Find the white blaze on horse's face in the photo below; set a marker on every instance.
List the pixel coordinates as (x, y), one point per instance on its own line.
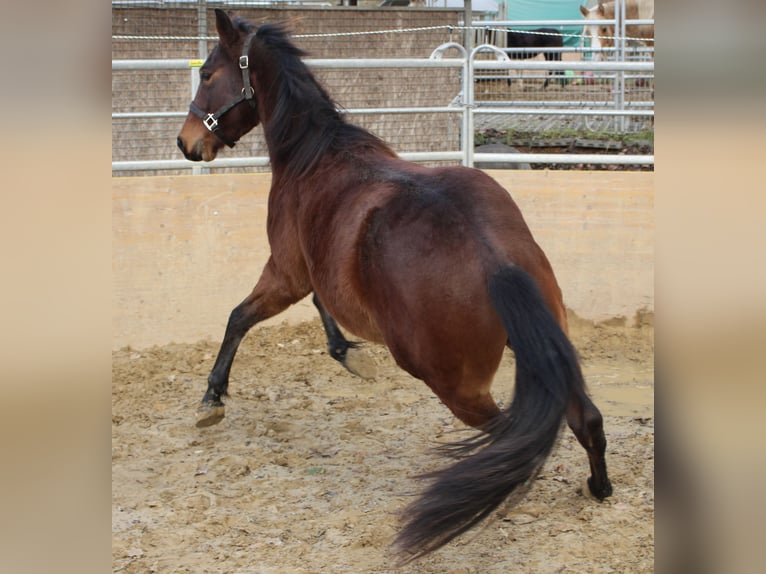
(595, 42)
(600, 36)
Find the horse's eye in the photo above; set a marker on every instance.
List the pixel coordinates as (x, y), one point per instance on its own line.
(204, 75)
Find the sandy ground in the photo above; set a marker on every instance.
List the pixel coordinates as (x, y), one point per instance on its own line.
(311, 467)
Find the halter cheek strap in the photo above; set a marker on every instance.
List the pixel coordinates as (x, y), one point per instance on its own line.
(247, 95)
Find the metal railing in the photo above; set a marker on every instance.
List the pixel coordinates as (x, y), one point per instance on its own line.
(464, 103)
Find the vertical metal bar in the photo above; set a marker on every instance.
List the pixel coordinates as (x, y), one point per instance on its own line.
(471, 98)
(467, 20)
(202, 29)
(194, 83)
(466, 99)
(620, 13)
(194, 78)
(202, 55)
(468, 106)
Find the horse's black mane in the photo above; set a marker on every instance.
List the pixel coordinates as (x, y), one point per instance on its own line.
(305, 122)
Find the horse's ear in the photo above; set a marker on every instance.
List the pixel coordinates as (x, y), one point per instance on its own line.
(584, 10)
(226, 32)
(601, 9)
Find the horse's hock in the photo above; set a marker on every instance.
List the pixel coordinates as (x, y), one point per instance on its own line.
(187, 249)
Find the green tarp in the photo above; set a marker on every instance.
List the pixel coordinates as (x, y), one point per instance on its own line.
(547, 10)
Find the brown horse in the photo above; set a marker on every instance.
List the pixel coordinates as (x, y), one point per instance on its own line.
(436, 263)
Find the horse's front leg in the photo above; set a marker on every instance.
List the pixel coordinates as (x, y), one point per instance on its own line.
(271, 295)
(347, 353)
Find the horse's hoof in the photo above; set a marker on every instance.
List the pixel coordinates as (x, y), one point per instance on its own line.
(358, 363)
(598, 496)
(209, 414)
(586, 491)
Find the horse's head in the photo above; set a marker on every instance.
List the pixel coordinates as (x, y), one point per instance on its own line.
(224, 108)
(600, 35)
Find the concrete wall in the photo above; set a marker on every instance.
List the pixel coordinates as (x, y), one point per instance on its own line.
(186, 250)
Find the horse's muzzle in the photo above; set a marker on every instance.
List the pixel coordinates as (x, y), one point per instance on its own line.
(191, 156)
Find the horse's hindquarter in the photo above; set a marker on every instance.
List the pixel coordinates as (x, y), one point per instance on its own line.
(403, 254)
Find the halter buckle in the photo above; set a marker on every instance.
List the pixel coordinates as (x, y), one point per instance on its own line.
(244, 62)
(211, 122)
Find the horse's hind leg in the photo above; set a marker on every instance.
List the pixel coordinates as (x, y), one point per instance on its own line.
(476, 411)
(587, 424)
(347, 353)
(468, 397)
(270, 296)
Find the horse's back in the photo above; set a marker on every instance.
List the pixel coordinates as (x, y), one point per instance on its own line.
(453, 209)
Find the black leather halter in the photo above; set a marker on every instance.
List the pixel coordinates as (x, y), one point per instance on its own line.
(247, 95)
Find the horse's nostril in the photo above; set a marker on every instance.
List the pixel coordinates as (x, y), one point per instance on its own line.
(180, 143)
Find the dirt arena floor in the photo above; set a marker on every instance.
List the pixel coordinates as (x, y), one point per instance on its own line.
(311, 467)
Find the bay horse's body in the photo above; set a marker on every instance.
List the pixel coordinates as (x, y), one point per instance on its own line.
(538, 38)
(437, 264)
(602, 36)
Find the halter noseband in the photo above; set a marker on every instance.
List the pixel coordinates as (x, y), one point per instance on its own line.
(247, 95)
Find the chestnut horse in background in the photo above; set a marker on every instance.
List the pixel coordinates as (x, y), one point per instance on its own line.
(602, 36)
(435, 263)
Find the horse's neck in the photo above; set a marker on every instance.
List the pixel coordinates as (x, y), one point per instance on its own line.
(268, 103)
(298, 141)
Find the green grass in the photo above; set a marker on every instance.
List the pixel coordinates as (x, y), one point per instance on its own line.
(509, 136)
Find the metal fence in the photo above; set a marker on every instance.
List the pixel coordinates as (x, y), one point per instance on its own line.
(429, 107)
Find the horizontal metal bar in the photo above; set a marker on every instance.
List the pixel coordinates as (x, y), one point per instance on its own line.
(335, 63)
(424, 110)
(172, 64)
(255, 161)
(352, 111)
(355, 63)
(574, 66)
(136, 115)
(614, 159)
(509, 23)
(432, 155)
(163, 164)
(176, 64)
(554, 23)
(561, 112)
(568, 158)
(562, 104)
(432, 110)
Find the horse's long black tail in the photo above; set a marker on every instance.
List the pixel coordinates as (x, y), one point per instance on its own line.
(518, 441)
